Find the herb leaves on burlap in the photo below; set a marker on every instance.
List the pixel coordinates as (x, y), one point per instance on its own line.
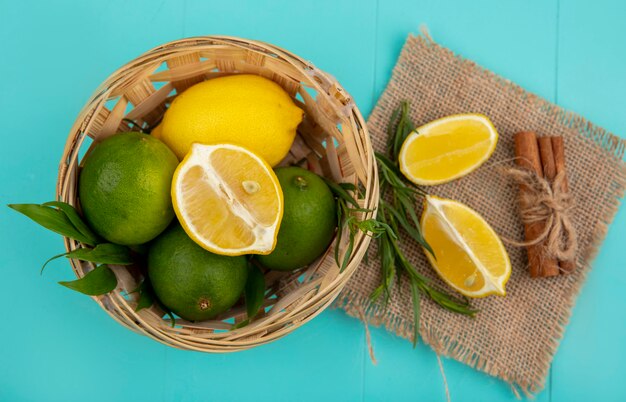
(396, 212)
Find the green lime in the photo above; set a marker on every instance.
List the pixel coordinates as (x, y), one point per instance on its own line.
(309, 220)
(191, 281)
(124, 188)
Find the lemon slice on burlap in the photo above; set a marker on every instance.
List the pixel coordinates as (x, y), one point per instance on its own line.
(469, 255)
(447, 148)
(228, 200)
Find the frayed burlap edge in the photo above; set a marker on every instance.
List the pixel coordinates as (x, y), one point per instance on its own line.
(375, 314)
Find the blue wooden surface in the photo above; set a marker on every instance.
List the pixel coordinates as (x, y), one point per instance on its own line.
(56, 345)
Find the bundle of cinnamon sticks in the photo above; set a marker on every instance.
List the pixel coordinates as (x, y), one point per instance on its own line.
(545, 156)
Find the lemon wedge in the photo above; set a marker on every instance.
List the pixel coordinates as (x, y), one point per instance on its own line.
(469, 255)
(228, 200)
(447, 148)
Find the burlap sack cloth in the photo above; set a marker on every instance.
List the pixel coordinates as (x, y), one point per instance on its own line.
(513, 337)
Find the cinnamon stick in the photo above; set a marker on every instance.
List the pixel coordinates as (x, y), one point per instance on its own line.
(558, 147)
(550, 265)
(527, 153)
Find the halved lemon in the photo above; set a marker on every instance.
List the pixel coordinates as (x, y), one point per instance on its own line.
(469, 255)
(447, 148)
(228, 200)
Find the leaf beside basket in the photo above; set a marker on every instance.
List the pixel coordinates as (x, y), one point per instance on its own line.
(64, 219)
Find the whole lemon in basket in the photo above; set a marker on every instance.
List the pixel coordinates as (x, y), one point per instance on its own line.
(194, 283)
(309, 220)
(245, 110)
(124, 188)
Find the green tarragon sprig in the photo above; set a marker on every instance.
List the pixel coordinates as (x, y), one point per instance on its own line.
(347, 207)
(396, 213)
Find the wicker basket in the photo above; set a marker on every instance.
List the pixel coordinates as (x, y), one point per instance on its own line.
(141, 91)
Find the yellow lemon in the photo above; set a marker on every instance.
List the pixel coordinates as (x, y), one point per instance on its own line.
(228, 200)
(447, 148)
(469, 255)
(246, 110)
(157, 132)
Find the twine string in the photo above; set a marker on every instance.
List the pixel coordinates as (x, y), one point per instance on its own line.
(368, 336)
(547, 202)
(443, 375)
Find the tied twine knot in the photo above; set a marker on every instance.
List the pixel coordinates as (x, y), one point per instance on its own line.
(547, 202)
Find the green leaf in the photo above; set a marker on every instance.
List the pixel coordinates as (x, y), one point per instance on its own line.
(385, 161)
(146, 298)
(75, 218)
(53, 219)
(348, 253)
(413, 231)
(388, 268)
(145, 301)
(341, 193)
(401, 128)
(409, 208)
(341, 225)
(254, 291)
(97, 282)
(167, 312)
(415, 295)
(389, 265)
(105, 253)
(390, 130)
(240, 325)
(372, 227)
(50, 260)
(348, 186)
